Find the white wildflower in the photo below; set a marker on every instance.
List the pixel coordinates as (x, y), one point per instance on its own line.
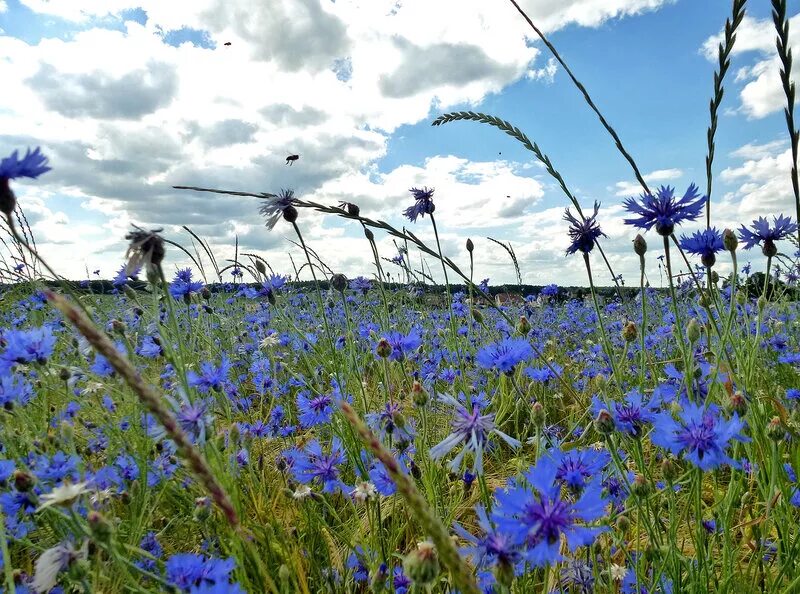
(64, 496)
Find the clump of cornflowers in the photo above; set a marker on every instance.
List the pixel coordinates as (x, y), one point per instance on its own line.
(32, 165)
(701, 433)
(314, 465)
(423, 204)
(278, 205)
(632, 414)
(705, 243)
(761, 233)
(583, 232)
(184, 286)
(534, 514)
(473, 430)
(663, 211)
(505, 355)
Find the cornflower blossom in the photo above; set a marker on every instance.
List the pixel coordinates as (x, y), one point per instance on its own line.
(390, 422)
(663, 210)
(701, 434)
(361, 284)
(423, 204)
(403, 344)
(632, 414)
(313, 464)
(314, 410)
(766, 236)
(35, 345)
(578, 467)
(32, 165)
(194, 418)
(210, 377)
(275, 206)
(583, 232)
(473, 430)
(267, 289)
(183, 287)
(493, 548)
(505, 355)
(705, 243)
(534, 514)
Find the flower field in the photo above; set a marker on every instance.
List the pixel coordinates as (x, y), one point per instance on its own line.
(229, 428)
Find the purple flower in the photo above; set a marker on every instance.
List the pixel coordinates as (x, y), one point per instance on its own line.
(403, 344)
(314, 410)
(705, 243)
(183, 287)
(583, 232)
(423, 204)
(504, 355)
(274, 206)
(578, 467)
(762, 232)
(492, 548)
(473, 430)
(535, 516)
(210, 376)
(631, 415)
(388, 422)
(663, 211)
(28, 346)
(32, 165)
(701, 433)
(313, 464)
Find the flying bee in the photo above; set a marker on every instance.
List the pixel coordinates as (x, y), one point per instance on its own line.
(227, 43)
(291, 159)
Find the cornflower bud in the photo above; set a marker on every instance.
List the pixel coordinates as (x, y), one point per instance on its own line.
(639, 245)
(339, 282)
(470, 245)
(537, 415)
(99, 526)
(604, 422)
(261, 267)
(775, 429)
(523, 326)
(629, 331)
(419, 394)
(693, 331)
(422, 564)
(384, 349)
(729, 240)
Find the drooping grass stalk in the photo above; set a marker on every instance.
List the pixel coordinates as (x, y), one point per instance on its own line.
(781, 21)
(8, 569)
(151, 401)
(515, 132)
(724, 63)
(587, 98)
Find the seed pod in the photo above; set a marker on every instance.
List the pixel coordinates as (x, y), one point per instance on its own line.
(470, 245)
(729, 240)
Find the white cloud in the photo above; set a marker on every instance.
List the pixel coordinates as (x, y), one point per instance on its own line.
(3, 7)
(762, 93)
(124, 116)
(633, 188)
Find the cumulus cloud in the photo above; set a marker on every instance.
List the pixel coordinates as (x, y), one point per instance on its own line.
(762, 93)
(633, 188)
(124, 116)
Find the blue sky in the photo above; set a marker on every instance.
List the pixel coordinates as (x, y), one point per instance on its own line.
(129, 98)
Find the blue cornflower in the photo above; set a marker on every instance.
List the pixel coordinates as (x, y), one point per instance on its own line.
(390, 421)
(183, 287)
(578, 467)
(32, 165)
(403, 344)
(187, 570)
(504, 355)
(358, 561)
(28, 346)
(473, 430)
(701, 434)
(663, 210)
(267, 289)
(210, 376)
(423, 205)
(361, 284)
(705, 243)
(762, 232)
(583, 233)
(150, 544)
(314, 410)
(274, 207)
(631, 415)
(14, 391)
(493, 548)
(194, 418)
(123, 274)
(535, 515)
(400, 581)
(314, 465)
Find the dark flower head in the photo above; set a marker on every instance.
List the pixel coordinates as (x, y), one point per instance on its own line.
(146, 248)
(277, 206)
(423, 205)
(663, 211)
(762, 232)
(352, 209)
(583, 232)
(32, 165)
(705, 243)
